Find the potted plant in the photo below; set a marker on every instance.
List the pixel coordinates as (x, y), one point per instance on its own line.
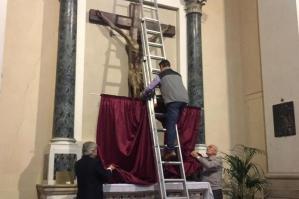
(244, 178)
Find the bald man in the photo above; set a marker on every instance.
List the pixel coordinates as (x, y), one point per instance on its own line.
(212, 169)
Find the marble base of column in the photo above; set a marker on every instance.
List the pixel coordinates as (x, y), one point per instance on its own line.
(60, 139)
(60, 160)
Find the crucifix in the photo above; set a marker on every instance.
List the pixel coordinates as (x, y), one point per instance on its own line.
(119, 23)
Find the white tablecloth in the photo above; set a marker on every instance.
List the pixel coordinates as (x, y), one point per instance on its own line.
(127, 188)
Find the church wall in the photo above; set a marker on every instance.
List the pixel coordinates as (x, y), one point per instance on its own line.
(27, 94)
(106, 62)
(252, 79)
(232, 87)
(279, 49)
(223, 84)
(232, 76)
(215, 76)
(232, 82)
(222, 67)
(279, 38)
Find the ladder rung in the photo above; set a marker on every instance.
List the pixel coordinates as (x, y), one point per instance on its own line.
(171, 162)
(151, 69)
(149, 7)
(152, 31)
(164, 146)
(156, 71)
(160, 114)
(156, 57)
(161, 130)
(155, 44)
(174, 180)
(150, 19)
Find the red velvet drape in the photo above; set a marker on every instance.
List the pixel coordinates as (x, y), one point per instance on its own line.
(124, 139)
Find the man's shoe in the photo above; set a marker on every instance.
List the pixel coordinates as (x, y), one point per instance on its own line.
(169, 155)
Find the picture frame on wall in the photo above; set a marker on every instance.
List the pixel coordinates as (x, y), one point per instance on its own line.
(284, 119)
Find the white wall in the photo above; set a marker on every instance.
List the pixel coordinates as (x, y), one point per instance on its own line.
(3, 7)
(27, 94)
(279, 41)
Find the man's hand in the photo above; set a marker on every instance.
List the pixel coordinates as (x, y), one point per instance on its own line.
(111, 167)
(142, 96)
(195, 154)
(147, 94)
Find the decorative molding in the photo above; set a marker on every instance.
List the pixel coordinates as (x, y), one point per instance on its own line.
(282, 185)
(3, 8)
(194, 6)
(126, 191)
(297, 5)
(59, 139)
(44, 190)
(161, 4)
(284, 175)
(60, 156)
(80, 61)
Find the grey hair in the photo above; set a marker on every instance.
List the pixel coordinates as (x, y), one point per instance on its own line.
(88, 147)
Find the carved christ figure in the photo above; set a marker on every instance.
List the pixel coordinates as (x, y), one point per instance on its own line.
(133, 46)
(134, 51)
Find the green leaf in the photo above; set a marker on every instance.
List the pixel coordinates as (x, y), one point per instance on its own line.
(245, 177)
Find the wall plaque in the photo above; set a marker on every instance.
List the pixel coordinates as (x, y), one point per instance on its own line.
(284, 119)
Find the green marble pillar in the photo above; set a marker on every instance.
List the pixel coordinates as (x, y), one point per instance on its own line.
(194, 55)
(63, 127)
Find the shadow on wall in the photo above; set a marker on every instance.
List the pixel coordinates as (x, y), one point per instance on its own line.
(115, 49)
(105, 66)
(33, 173)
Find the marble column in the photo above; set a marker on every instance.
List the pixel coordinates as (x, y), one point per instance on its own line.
(63, 126)
(63, 150)
(194, 55)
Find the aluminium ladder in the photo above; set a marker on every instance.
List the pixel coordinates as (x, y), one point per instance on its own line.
(154, 52)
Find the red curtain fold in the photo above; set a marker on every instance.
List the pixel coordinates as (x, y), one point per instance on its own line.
(124, 139)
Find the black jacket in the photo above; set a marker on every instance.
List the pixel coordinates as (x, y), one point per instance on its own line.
(90, 177)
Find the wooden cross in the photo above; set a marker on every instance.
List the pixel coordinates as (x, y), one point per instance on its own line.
(132, 22)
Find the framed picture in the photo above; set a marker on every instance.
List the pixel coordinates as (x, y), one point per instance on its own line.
(284, 119)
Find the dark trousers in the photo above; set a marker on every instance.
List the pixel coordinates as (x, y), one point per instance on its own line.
(173, 111)
(218, 194)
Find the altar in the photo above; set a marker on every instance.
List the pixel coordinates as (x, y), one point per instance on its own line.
(197, 190)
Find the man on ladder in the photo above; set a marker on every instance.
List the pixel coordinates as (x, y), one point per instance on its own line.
(174, 95)
(175, 98)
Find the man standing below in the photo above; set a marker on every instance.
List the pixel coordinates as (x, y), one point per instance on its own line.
(212, 169)
(175, 97)
(90, 173)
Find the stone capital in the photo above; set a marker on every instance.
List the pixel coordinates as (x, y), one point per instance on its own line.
(194, 6)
